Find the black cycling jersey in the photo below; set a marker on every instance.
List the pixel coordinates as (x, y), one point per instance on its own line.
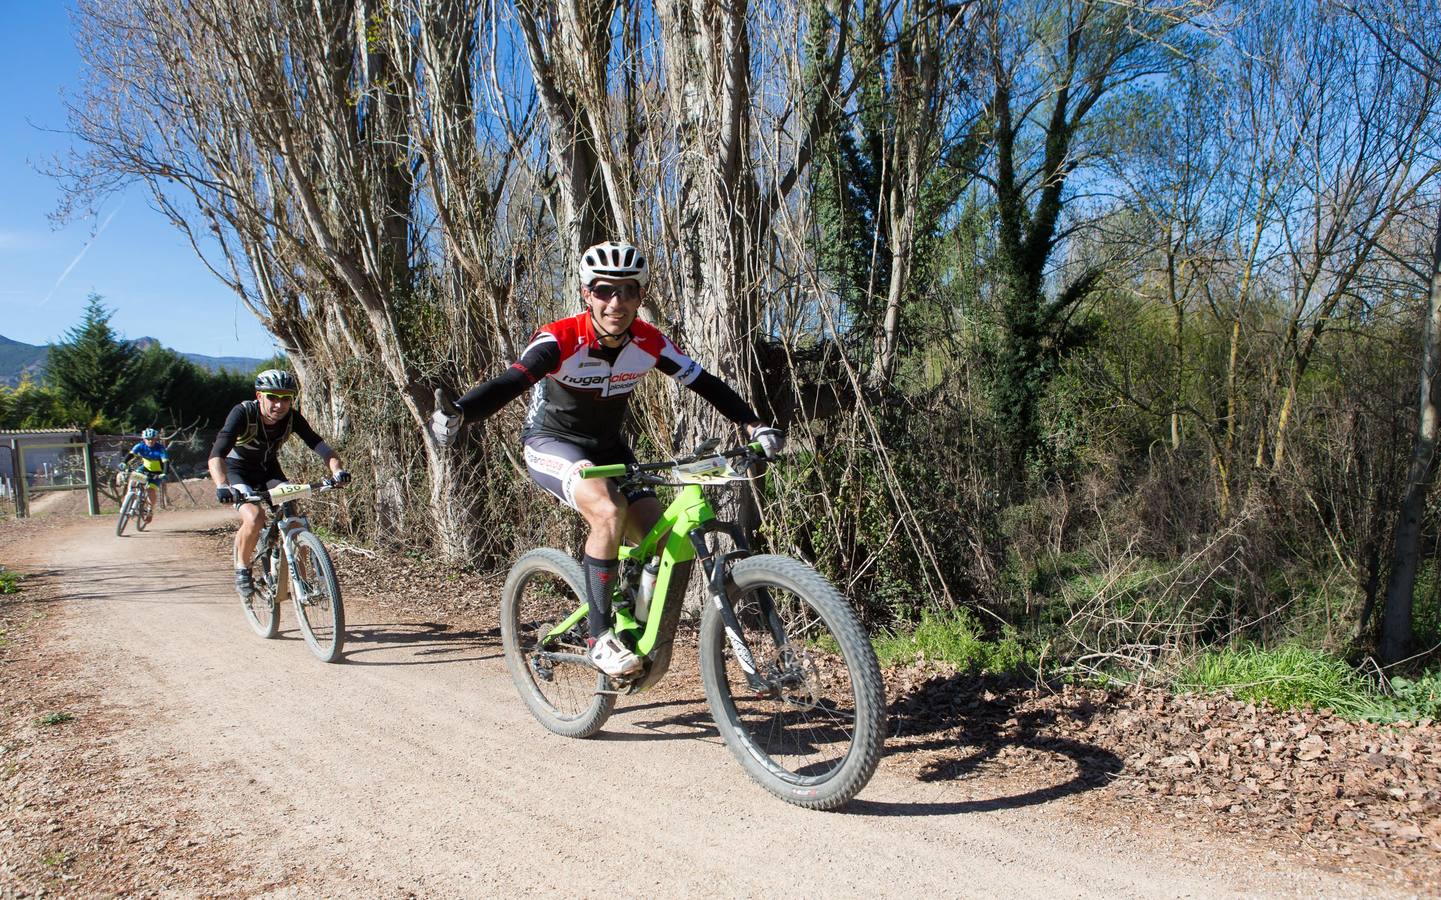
(248, 444)
(580, 389)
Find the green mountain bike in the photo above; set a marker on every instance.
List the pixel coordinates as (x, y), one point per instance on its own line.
(136, 502)
(789, 673)
(290, 559)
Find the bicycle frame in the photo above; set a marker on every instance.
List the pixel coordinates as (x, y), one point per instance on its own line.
(286, 520)
(139, 485)
(679, 537)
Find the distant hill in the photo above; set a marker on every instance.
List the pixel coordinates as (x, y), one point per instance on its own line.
(19, 359)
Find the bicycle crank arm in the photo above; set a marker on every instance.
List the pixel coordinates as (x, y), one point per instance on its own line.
(551, 656)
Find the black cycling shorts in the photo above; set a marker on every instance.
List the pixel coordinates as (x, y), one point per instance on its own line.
(251, 478)
(555, 465)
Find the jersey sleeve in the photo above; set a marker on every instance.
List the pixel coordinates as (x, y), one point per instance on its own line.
(540, 358)
(672, 361)
(225, 438)
(301, 429)
(726, 401)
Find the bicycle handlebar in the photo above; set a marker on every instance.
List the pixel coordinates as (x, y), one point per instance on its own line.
(751, 452)
(293, 491)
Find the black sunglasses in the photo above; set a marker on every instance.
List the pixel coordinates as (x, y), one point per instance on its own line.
(608, 291)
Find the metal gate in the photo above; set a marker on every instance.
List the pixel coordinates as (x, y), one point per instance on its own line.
(48, 460)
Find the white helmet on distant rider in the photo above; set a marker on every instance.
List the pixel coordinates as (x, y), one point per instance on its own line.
(614, 259)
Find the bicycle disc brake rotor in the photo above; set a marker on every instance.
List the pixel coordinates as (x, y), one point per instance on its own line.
(796, 678)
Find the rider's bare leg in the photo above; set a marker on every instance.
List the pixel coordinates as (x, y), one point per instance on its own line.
(251, 519)
(641, 518)
(604, 510)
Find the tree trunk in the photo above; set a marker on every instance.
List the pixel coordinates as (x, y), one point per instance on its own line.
(1396, 634)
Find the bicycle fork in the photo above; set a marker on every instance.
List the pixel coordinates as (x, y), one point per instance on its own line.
(717, 569)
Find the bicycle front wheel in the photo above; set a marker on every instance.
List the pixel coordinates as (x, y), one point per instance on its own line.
(553, 677)
(812, 734)
(127, 508)
(316, 594)
(141, 514)
(262, 608)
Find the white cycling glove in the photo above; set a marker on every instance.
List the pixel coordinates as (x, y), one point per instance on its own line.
(444, 427)
(772, 440)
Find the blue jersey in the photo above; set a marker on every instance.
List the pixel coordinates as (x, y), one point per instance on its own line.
(154, 457)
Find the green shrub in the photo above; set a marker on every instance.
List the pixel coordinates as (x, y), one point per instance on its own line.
(1288, 677)
(957, 639)
(9, 581)
(1292, 676)
(1410, 699)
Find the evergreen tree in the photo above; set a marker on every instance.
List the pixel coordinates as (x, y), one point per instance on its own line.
(93, 370)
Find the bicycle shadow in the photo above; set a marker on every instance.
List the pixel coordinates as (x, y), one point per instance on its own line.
(697, 723)
(976, 719)
(430, 643)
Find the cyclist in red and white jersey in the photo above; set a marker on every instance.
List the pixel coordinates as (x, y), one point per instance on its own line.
(581, 372)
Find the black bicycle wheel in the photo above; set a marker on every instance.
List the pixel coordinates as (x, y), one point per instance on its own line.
(262, 609)
(142, 513)
(126, 510)
(558, 685)
(316, 594)
(812, 736)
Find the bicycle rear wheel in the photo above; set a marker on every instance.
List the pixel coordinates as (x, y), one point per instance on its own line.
(127, 508)
(316, 594)
(557, 684)
(262, 609)
(813, 735)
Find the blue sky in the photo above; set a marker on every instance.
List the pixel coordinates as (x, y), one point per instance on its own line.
(128, 253)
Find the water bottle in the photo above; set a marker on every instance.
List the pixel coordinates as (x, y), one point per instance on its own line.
(647, 589)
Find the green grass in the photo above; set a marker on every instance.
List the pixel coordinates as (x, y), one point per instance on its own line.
(1295, 677)
(9, 581)
(58, 859)
(956, 638)
(54, 718)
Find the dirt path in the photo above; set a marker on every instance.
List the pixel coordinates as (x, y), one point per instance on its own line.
(414, 769)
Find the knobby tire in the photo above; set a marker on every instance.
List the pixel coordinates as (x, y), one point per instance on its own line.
(814, 740)
(543, 588)
(318, 607)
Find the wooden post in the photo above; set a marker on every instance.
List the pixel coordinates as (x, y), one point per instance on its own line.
(90, 486)
(17, 460)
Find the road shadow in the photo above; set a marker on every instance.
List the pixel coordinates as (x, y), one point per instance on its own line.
(430, 643)
(112, 581)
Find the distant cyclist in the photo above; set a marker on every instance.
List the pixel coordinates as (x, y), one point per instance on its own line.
(245, 458)
(150, 450)
(581, 372)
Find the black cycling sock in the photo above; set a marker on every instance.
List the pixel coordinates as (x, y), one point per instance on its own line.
(599, 582)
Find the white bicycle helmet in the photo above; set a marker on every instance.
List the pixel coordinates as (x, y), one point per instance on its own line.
(614, 259)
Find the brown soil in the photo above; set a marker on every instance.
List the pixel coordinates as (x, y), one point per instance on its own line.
(150, 743)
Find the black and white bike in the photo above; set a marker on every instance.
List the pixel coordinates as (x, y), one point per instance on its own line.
(291, 559)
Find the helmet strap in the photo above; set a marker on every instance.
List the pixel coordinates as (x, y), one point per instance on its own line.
(600, 333)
